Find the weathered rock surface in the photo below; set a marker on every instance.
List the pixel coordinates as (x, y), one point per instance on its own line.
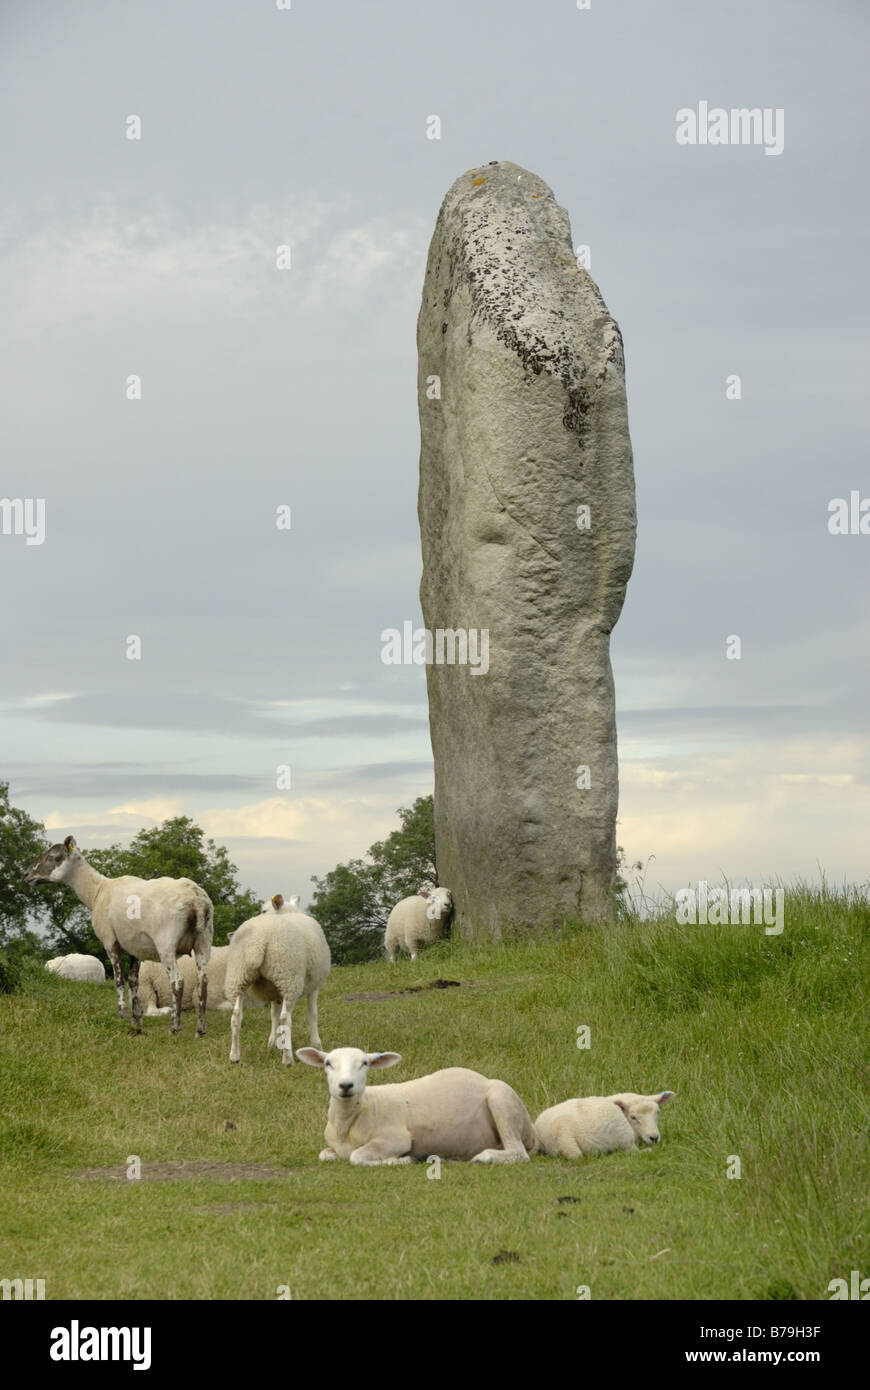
(531, 424)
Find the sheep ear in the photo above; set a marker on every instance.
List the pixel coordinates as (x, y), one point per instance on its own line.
(69, 844)
(277, 900)
(622, 1105)
(384, 1059)
(665, 1095)
(311, 1055)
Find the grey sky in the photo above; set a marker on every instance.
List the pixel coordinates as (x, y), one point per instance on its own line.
(264, 387)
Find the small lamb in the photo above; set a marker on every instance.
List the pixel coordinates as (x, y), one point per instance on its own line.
(83, 969)
(453, 1113)
(417, 921)
(600, 1124)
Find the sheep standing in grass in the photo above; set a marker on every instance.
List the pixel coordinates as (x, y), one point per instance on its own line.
(150, 919)
(417, 921)
(600, 1124)
(155, 989)
(84, 969)
(278, 957)
(453, 1113)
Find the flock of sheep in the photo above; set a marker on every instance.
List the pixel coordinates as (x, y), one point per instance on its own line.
(165, 925)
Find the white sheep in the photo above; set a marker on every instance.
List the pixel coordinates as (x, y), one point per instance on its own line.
(454, 1113)
(150, 919)
(600, 1124)
(155, 990)
(277, 957)
(84, 969)
(417, 921)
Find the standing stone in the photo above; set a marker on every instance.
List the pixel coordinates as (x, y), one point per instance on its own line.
(525, 426)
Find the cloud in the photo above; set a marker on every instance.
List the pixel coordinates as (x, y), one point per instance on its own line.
(215, 714)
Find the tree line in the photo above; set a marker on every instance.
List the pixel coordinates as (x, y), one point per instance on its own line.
(351, 902)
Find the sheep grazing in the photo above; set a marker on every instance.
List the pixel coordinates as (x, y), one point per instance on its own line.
(454, 1113)
(150, 919)
(600, 1124)
(278, 957)
(84, 969)
(417, 921)
(155, 990)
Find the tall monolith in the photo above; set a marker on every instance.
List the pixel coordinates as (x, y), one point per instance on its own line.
(527, 517)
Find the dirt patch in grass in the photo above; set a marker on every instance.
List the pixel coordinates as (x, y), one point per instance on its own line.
(375, 996)
(180, 1170)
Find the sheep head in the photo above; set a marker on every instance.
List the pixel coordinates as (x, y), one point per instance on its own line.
(440, 904)
(347, 1068)
(642, 1113)
(54, 865)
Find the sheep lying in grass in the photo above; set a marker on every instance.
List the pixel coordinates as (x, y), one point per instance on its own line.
(453, 1113)
(417, 921)
(150, 919)
(155, 991)
(278, 957)
(84, 969)
(600, 1124)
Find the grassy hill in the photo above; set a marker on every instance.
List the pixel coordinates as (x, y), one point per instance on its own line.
(763, 1039)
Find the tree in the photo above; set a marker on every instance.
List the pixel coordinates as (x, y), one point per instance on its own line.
(176, 849)
(353, 901)
(22, 840)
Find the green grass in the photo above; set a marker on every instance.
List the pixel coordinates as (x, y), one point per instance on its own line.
(764, 1040)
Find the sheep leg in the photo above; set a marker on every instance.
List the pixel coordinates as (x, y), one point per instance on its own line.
(380, 1153)
(135, 1002)
(508, 1116)
(115, 957)
(274, 1009)
(176, 986)
(235, 1030)
(313, 1034)
(283, 1038)
(201, 953)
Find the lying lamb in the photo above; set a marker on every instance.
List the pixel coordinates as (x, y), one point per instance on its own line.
(84, 969)
(278, 957)
(600, 1124)
(453, 1113)
(417, 921)
(155, 991)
